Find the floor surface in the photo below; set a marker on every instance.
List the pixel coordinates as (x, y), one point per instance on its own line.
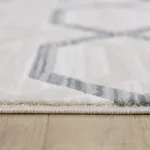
(74, 132)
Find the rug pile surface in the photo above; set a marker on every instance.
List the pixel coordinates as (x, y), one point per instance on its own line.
(75, 56)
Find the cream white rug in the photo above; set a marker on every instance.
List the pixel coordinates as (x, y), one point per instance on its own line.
(75, 56)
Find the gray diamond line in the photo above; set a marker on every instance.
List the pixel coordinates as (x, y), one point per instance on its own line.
(43, 65)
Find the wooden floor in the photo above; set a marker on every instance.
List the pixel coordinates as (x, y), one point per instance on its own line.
(74, 132)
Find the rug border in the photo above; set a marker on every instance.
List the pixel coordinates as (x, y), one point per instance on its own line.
(82, 109)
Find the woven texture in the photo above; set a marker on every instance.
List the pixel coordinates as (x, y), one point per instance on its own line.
(75, 56)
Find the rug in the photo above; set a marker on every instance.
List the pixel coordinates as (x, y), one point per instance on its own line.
(75, 56)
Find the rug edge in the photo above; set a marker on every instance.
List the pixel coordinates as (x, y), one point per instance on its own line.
(82, 109)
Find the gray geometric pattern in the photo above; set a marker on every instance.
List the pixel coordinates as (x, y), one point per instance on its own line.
(46, 55)
(57, 18)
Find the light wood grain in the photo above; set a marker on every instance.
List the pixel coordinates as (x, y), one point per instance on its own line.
(98, 133)
(22, 132)
(62, 132)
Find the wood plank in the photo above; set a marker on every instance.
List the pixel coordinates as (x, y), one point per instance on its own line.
(98, 132)
(22, 132)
